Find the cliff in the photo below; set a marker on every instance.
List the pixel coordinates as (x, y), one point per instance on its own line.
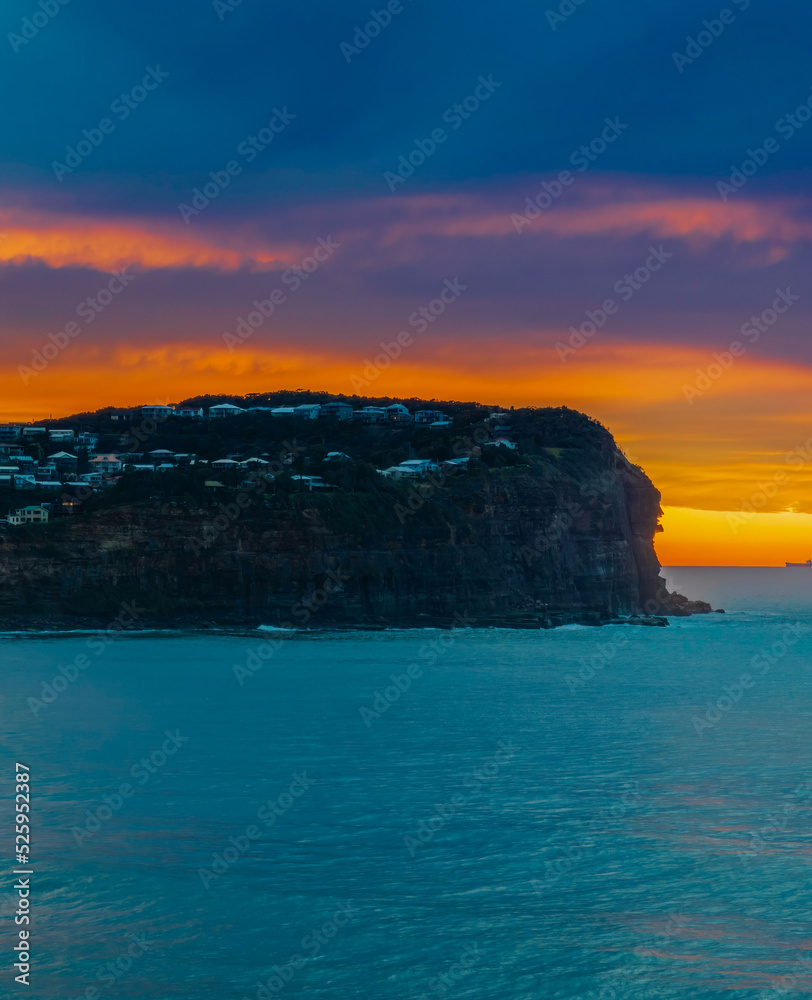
(563, 534)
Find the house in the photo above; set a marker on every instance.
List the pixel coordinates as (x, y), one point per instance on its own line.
(309, 411)
(105, 463)
(282, 411)
(161, 455)
(91, 477)
(69, 505)
(225, 410)
(253, 463)
(157, 412)
(311, 483)
(398, 414)
(61, 434)
(260, 409)
(212, 485)
(421, 465)
(371, 415)
(337, 456)
(335, 411)
(9, 470)
(165, 467)
(441, 423)
(63, 462)
(10, 432)
(27, 482)
(34, 432)
(456, 464)
(224, 465)
(49, 484)
(86, 440)
(429, 416)
(502, 442)
(399, 472)
(190, 412)
(30, 515)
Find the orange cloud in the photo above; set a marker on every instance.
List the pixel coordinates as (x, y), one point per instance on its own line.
(109, 244)
(615, 214)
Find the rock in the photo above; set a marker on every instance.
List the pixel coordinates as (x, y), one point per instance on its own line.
(548, 543)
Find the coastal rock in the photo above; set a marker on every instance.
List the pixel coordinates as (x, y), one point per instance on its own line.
(565, 537)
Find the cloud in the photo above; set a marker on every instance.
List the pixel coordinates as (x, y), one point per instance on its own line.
(71, 240)
(604, 210)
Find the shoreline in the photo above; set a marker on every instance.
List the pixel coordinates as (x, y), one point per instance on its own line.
(80, 627)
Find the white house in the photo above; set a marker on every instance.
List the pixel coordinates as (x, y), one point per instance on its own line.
(61, 434)
(421, 465)
(282, 411)
(397, 413)
(398, 472)
(429, 416)
(193, 412)
(335, 411)
(86, 440)
(30, 515)
(337, 456)
(105, 463)
(91, 477)
(157, 412)
(371, 415)
(502, 442)
(34, 432)
(226, 410)
(309, 411)
(224, 464)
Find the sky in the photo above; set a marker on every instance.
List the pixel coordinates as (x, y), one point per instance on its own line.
(602, 205)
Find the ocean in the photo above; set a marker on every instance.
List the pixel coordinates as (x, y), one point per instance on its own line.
(576, 813)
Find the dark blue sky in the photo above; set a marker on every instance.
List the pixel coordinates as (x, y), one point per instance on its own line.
(353, 120)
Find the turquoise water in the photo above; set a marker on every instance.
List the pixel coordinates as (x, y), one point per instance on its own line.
(574, 813)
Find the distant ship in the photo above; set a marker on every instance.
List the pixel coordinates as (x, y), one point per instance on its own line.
(807, 563)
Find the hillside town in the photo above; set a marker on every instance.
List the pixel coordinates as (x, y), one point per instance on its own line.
(71, 462)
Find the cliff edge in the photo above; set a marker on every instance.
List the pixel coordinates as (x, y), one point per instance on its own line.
(555, 527)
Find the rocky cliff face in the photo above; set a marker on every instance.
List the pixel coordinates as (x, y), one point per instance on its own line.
(534, 545)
